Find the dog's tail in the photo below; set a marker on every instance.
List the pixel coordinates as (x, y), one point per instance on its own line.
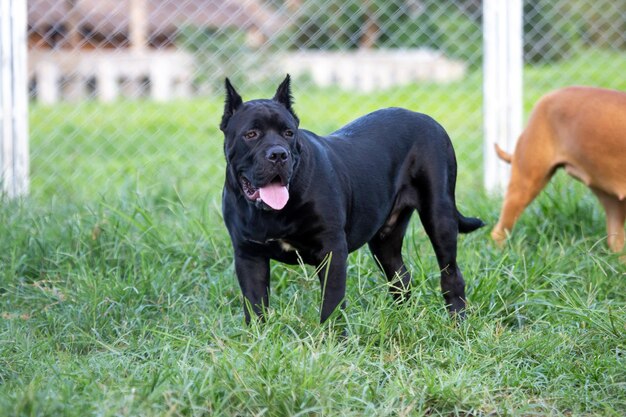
(469, 224)
(502, 154)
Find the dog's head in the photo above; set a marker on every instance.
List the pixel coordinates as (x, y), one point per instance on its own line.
(261, 146)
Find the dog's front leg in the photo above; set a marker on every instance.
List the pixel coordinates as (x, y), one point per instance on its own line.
(253, 274)
(332, 275)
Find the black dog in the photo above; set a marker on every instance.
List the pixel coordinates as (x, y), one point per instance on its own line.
(290, 193)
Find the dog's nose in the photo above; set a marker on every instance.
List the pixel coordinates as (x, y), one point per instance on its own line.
(277, 154)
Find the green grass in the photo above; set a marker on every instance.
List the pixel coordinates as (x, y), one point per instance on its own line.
(118, 297)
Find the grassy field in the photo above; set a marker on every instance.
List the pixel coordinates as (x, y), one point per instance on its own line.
(118, 297)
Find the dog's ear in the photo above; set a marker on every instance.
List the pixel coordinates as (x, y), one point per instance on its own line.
(284, 97)
(233, 102)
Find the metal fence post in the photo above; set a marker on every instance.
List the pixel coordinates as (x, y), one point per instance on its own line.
(13, 99)
(502, 85)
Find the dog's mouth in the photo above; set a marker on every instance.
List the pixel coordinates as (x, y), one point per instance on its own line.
(274, 194)
(248, 189)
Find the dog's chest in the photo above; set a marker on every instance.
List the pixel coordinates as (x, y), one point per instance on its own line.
(282, 244)
(290, 252)
(286, 246)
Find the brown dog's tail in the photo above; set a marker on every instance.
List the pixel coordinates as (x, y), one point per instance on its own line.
(505, 156)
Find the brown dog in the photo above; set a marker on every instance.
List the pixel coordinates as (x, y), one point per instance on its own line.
(582, 129)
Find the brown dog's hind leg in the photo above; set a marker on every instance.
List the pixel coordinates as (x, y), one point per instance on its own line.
(615, 216)
(524, 186)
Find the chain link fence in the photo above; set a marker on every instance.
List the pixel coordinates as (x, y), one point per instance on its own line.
(126, 95)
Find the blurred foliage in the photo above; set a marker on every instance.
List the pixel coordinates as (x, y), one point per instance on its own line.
(602, 22)
(552, 30)
(550, 33)
(213, 50)
(450, 26)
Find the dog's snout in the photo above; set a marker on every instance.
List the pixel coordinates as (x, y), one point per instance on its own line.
(277, 154)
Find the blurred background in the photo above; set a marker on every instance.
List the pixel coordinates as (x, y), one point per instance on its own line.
(126, 95)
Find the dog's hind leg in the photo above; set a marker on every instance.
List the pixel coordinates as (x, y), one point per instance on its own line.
(615, 210)
(387, 250)
(438, 216)
(527, 180)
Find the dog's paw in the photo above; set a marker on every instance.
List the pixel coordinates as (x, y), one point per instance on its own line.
(499, 237)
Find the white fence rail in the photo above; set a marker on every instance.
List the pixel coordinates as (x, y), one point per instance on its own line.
(69, 75)
(371, 70)
(14, 159)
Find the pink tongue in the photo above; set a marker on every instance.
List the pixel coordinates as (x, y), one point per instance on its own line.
(274, 195)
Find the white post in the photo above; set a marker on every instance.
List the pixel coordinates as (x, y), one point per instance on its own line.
(160, 80)
(48, 76)
(502, 85)
(106, 83)
(13, 99)
(138, 25)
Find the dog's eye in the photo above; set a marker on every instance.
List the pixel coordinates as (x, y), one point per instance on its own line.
(288, 133)
(251, 134)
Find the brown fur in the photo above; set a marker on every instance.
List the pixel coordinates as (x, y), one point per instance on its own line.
(582, 129)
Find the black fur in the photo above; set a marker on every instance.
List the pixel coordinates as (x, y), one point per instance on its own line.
(358, 185)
